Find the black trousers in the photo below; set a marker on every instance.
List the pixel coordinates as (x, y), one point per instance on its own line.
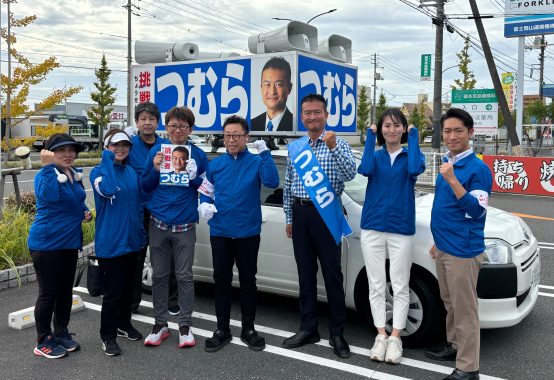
(55, 272)
(225, 253)
(312, 240)
(137, 281)
(118, 289)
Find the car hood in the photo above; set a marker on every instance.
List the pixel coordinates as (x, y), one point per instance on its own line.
(499, 225)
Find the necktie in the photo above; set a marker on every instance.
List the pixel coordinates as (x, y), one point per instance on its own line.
(269, 126)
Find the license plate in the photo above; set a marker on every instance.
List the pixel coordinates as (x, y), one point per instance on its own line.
(536, 273)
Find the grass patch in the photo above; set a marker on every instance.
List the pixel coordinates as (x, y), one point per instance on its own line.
(14, 230)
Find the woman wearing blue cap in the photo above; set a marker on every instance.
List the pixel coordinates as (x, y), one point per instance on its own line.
(54, 240)
(119, 237)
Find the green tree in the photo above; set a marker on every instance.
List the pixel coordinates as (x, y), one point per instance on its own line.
(537, 109)
(468, 79)
(103, 98)
(24, 76)
(417, 118)
(363, 112)
(381, 106)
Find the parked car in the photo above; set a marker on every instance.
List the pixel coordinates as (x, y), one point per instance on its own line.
(428, 139)
(197, 140)
(507, 285)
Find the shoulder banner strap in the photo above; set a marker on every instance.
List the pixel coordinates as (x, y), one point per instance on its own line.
(318, 187)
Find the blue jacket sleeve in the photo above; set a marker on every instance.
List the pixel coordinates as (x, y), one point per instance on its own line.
(201, 167)
(416, 159)
(481, 181)
(268, 171)
(150, 177)
(367, 166)
(106, 187)
(47, 185)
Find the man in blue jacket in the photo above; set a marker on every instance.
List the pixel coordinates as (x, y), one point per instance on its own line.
(230, 200)
(457, 222)
(173, 221)
(147, 116)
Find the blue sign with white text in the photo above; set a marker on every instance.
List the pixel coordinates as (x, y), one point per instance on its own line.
(212, 90)
(529, 25)
(337, 84)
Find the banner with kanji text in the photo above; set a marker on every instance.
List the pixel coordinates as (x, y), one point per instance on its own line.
(522, 175)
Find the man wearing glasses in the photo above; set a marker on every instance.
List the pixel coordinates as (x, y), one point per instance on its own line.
(230, 201)
(311, 238)
(172, 229)
(275, 88)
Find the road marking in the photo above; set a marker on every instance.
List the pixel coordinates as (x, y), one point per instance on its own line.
(546, 287)
(531, 216)
(546, 247)
(312, 359)
(294, 354)
(546, 294)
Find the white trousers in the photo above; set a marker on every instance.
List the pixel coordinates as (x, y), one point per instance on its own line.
(375, 246)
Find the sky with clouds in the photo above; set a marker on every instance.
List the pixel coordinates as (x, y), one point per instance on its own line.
(79, 32)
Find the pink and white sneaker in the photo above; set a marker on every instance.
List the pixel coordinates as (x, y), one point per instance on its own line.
(186, 339)
(157, 336)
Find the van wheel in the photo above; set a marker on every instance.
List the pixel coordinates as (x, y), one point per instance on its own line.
(87, 147)
(425, 311)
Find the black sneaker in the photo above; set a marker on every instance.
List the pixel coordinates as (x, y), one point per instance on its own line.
(130, 333)
(65, 339)
(111, 348)
(174, 310)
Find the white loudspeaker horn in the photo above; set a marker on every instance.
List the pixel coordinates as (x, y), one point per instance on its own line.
(159, 52)
(210, 54)
(295, 36)
(24, 153)
(336, 47)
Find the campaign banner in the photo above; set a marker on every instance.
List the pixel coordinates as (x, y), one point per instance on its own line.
(265, 89)
(337, 83)
(522, 175)
(174, 163)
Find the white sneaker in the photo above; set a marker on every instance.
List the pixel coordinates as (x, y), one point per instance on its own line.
(379, 349)
(394, 350)
(157, 336)
(186, 339)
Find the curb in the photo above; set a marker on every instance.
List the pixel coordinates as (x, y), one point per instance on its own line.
(8, 277)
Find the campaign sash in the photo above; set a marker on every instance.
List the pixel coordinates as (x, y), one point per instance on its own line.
(319, 188)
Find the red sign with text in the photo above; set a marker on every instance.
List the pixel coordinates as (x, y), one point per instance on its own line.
(522, 175)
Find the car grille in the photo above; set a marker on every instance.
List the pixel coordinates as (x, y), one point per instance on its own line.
(525, 265)
(522, 297)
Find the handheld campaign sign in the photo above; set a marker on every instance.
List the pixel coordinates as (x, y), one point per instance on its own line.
(173, 168)
(261, 88)
(319, 188)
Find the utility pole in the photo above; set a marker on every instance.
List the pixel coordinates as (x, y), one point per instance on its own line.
(9, 89)
(373, 110)
(437, 88)
(541, 71)
(510, 126)
(129, 61)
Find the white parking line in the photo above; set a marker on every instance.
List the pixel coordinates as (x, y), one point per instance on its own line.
(297, 355)
(312, 359)
(546, 287)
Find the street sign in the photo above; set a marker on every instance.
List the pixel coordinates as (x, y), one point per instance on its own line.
(482, 105)
(425, 67)
(528, 18)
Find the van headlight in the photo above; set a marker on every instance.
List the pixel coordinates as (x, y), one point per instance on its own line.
(497, 252)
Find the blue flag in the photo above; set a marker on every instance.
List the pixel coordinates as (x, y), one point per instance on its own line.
(317, 185)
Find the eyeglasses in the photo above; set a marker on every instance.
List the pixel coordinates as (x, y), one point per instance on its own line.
(232, 137)
(173, 127)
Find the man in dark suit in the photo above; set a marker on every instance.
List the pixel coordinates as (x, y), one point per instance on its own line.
(275, 88)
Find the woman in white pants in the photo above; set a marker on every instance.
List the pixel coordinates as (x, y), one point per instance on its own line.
(388, 223)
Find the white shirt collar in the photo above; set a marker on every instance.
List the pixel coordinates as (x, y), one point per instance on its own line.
(458, 157)
(275, 121)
